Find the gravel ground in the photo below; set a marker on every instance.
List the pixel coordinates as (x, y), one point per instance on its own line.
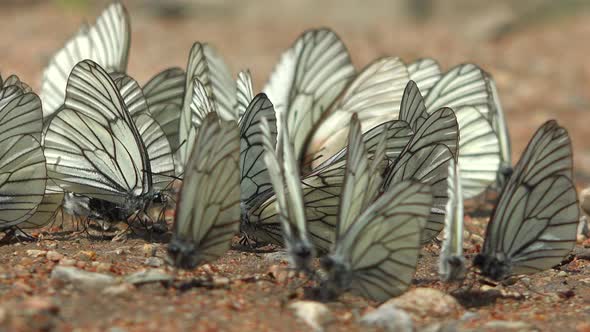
(542, 72)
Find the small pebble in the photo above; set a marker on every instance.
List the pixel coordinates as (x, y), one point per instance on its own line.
(36, 253)
(314, 314)
(54, 256)
(153, 261)
(562, 274)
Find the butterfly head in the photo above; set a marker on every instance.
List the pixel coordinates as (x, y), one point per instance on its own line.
(183, 254)
(337, 279)
(454, 268)
(302, 254)
(492, 267)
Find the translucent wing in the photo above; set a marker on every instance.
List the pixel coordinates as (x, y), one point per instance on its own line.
(375, 95)
(106, 42)
(323, 187)
(534, 224)
(356, 180)
(201, 105)
(14, 80)
(425, 72)
(426, 159)
(479, 151)
(22, 178)
(451, 264)
(208, 210)
(317, 67)
(93, 147)
(463, 85)
(223, 85)
(131, 93)
(382, 247)
(164, 94)
(412, 109)
(20, 114)
(283, 172)
(254, 175)
(154, 139)
(245, 92)
(496, 117)
(158, 150)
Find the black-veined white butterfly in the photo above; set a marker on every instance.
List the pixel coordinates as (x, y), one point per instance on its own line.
(106, 43)
(308, 78)
(427, 155)
(255, 182)
(22, 163)
(534, 224)
(208, 209)
(374, 94)
(93, 147)
(322, 189)
(154, 138)
(164, 94)
(208, 87)
(284, 176)
(451, 263)
(471, 93)
(377, 241)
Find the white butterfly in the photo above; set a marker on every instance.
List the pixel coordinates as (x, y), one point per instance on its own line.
(22, 164)
(106, 43)
(307, 80)
(484, 145)
(451, 264)
(377, 239)
(208, 209)
(534, 223)
(93, 147)
(284, 176)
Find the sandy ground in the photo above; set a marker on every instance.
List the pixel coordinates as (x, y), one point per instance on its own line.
(542, 72)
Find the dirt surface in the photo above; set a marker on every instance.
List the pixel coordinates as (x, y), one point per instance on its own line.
(542, 72)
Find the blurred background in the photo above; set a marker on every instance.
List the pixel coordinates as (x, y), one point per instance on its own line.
(537, 50)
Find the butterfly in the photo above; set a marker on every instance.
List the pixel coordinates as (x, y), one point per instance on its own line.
(94, 148)
(22, 163)
(322, 189)
(534, 224)
(106, 42)
(208, 209)
(153, 137)
(284, 176)
(377, 237)
(308, 78)
(374, 94)
(471, 93)
(208, 87)
(426, 157)
(451, 264)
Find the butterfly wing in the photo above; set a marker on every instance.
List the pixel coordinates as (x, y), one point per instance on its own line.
(106, 42)
(426, 159)
(479, 150)
(382, 247)
(534, 224)
(317, 67)
(254, 178)
(374, 95)
(245, 93)
(412, 109)
(164, 94)
(93, 147)
(208, 210)
(201, 105)
(451, 261)
(425, 72)
(22, 178)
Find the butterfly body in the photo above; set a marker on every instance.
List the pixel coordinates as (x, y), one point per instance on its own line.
(495, 267)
